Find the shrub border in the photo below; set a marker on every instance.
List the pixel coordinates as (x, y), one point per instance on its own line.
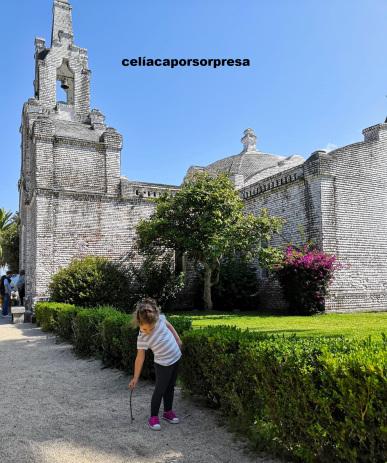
(308, 399)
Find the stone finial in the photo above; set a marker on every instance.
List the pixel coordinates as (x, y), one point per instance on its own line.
(249, 140)
(40, 44)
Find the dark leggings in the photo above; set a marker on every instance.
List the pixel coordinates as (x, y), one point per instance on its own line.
(165, 387)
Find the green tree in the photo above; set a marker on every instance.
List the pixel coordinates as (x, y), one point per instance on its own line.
(5, 219)
(206, 220)
(9, 239)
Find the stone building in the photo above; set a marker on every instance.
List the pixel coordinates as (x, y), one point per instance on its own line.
(336, 198)
(74, 201)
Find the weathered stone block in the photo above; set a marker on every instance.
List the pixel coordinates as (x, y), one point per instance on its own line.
(18, 314)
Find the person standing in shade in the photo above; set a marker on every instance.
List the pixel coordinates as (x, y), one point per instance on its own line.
(7, 294)
(2, 288)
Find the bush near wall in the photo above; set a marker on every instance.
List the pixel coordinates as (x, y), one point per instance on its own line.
(305, 274)
(91, 282)
(155, 277)
(313, 400)
(238, 286)
(237, 289)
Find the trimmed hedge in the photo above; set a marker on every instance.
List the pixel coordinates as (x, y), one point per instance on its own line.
(47, 314)
(314, 400)
(87, 330)
(64, 327)
(102, 332)
(310, 399)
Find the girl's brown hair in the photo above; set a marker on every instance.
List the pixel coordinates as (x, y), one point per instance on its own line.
(146, 311)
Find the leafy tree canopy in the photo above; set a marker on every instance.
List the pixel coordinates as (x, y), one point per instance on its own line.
(206, 220)
(5, 219)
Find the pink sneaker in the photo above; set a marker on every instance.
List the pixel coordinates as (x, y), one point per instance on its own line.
(170, 417)
(154, 423)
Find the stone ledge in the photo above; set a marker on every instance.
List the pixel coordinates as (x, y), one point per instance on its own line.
(18, 310)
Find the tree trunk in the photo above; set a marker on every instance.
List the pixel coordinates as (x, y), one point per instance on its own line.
(207, 287)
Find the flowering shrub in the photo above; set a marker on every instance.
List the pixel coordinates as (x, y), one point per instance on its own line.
(304, 274)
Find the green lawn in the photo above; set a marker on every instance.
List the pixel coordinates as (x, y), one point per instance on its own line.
(357, 325)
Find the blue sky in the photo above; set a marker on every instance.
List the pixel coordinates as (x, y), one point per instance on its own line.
(318, 76)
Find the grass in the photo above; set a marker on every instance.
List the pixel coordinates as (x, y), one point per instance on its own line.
(355, 325)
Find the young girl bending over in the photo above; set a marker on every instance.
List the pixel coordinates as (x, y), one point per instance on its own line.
(157, 334)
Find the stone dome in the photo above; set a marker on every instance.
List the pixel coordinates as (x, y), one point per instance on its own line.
(251, 165)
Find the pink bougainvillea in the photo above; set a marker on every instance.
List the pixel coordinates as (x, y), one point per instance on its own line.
(304, 274)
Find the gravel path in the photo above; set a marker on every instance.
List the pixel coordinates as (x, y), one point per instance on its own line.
(56, 408)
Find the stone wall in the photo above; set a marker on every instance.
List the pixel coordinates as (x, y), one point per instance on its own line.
(76, 225)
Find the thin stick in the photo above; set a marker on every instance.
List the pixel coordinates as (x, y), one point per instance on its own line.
(130, 402)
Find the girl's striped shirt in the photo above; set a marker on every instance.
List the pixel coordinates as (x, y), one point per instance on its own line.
(161, 341)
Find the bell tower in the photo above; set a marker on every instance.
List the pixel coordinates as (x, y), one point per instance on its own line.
(64, 66)
(70, 163)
